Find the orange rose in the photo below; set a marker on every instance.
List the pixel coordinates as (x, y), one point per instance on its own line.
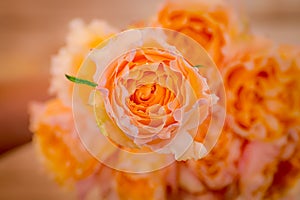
(80, 40)
(260, 100)
(52, 123)
(147, 186)
(264, 109)
(211, 23)
(59, 145)
(155, 98)
(219, 169)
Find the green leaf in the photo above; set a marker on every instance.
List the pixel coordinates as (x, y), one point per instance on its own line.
(199, 66)
(80, 81)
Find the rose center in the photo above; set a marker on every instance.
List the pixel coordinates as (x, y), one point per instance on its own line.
(145, 92)
(151, 94)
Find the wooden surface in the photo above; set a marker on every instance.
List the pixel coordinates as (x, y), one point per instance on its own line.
(22, 177)
(31, 31)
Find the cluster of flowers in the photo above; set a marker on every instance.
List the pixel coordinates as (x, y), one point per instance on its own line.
(258, 153)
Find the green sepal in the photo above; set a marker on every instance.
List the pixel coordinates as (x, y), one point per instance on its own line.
(199, 66)
(81, 81)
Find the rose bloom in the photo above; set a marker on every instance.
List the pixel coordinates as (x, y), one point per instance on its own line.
(259, 163)
(262, 87)
(213, 176)
(58, 144)
(219, 168)
(157, 100)
(211, 23)
(80, 40)
(52, 122)
(110, 184)
(146, 186)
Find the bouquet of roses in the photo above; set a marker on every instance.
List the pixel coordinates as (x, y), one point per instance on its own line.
(151, 115)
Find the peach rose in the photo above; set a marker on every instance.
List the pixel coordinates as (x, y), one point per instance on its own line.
(147, 186)
(260, 100)
(52, 122)
(264, 110)
(58, 143)
(155, 99)
(211, 23)
(80, 40)
(218, 169)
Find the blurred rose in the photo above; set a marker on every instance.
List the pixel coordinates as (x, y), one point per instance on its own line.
(147, 186)
(58, 143)
(219, 168)
(262, 87)
(52, 122)
(80, 40)
(211, 23)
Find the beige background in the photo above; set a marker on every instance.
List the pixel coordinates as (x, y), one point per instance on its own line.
(33, 30)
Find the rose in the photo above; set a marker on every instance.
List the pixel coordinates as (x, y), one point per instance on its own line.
(149, 98)
(52, 122)
(153, 97)
(218, 169)
(262, 109)
(267, 166)
(146, 186)
(80, 40)
(58, 143)
(211, 23)
(258, 98)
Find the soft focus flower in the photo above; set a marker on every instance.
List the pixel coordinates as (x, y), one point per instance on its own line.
(211, 23)
(262, 87)
(219, 168)
(263, 107)
(52, 122)
(80, 40)
(246, 164)
(58, 142)
(148, 186)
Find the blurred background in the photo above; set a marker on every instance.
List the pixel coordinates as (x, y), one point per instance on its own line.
(31, 31)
